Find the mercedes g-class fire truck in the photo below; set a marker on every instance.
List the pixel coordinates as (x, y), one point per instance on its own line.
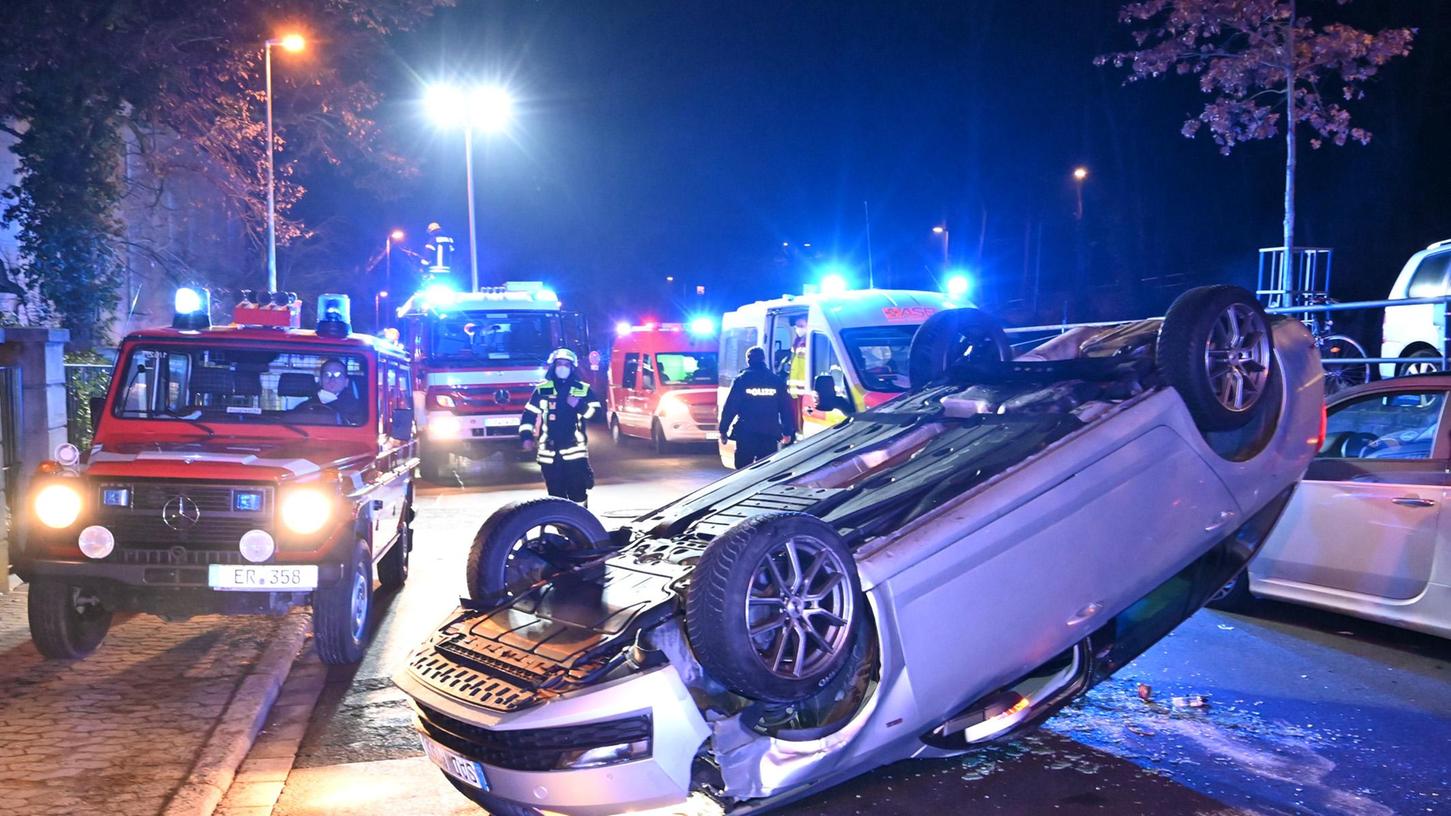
(476, 359)
(245, 468)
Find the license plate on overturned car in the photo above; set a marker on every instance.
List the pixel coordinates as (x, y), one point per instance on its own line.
(262, 577)
(455, 764)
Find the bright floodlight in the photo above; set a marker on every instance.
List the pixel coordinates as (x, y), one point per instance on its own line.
(702, 326)
(833, 283)
(293, 42)
(439, 293)
(396, 235)
(958, 285)
(1080, 173)
(622, 328)
(445, 104)
(938, 230)
(491, 109)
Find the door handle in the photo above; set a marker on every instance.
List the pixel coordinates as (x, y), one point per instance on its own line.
(1413, 501)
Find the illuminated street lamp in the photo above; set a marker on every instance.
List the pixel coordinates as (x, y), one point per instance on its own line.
(293, 43)
(395, 235)
(941, 229)
(488, 108)
(1079, 174)
(377, 309)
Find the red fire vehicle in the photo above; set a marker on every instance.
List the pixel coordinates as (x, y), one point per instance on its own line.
(476, 359)
(244, 468)
(663, 383)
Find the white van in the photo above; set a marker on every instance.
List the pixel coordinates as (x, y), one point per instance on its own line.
(1418, 331)
(860, 338)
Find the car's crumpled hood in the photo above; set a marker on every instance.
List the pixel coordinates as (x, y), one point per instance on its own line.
(251, 460)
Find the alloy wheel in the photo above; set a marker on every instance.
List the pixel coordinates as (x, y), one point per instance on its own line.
(1237, 357)
(799, 607)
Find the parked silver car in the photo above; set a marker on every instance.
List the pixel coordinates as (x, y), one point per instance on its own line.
(1366, 533)
(939, 572)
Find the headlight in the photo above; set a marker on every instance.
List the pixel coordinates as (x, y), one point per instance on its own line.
(444, 401)
(444, 426)
(672, 404)
(58, 505)
(306, 510)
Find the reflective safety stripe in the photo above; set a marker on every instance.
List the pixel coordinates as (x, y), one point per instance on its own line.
(534, 408)
(529, 429)
(570, 457)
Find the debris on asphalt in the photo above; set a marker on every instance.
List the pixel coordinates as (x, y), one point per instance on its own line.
(1146, 692)
(1190, 701)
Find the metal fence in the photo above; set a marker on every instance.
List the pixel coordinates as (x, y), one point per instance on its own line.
(10, 464)
(82, 382)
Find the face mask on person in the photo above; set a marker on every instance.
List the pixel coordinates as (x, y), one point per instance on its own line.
(325, 396)
(562, 372)
(800, 331)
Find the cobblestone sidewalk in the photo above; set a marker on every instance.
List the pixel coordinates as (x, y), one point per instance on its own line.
(119, 732)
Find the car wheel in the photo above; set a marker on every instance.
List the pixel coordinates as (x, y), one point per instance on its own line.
(393, 569)
(1234, 596)
(1422, 361)
(1339, 376)
(952, 335)
(772, 607)
(616, 435)
(340, 613)
(66, 623)
(523, 543)
(661, 445)
(1215, 349)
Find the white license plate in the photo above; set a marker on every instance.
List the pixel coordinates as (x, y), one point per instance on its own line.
(456, 765)
(712, 435)
(499, 422)
(262, 577)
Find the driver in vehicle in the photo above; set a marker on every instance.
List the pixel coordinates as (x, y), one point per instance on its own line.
(336, 393)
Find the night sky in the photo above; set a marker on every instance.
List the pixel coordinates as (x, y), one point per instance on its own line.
(694, 138)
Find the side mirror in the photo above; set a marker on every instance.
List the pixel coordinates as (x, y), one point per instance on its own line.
(97, 406)
(826, 397)
(400, 424)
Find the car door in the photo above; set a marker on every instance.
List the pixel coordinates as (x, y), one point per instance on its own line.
(1366, 517)
(823, 361)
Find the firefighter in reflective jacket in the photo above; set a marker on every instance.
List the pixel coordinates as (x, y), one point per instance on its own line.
(758, 414)
(553, 426)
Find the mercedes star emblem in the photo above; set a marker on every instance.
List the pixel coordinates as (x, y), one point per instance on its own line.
(180, 513)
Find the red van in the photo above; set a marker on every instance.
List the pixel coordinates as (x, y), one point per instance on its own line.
(662, 383)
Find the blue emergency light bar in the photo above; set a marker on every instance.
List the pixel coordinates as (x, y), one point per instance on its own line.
(334, 315)
(192, 309)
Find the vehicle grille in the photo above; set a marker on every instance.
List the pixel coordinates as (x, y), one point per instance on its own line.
(534, 749)
(179, 557)
(141, 528)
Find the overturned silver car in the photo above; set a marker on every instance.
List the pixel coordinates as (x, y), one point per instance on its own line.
(940, 572)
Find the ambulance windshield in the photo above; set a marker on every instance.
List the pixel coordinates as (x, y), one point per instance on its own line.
(517, 338)
(245, 385)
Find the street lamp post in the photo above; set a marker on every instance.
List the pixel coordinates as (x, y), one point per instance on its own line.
(294, 43)
(941, 229)
(490, 109)
(1079, 174)
(395, 235)
(378, 311)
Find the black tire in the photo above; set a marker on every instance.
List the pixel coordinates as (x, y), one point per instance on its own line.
(661, 445)
(64, 624)
(1429, 355)
(525, 542)
(393, 569)
(739, 565)
(434, 464)
(1229, 322)
(341, 613)
(1234, 596)
(616, 435)
(952, 335)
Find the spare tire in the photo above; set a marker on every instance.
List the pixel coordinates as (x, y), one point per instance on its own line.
(952, 335)
(772, 607)
(525, 542)
(1216, 349)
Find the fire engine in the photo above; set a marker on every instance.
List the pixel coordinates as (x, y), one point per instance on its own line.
(663, 382)
(244, 468)
(476, 359)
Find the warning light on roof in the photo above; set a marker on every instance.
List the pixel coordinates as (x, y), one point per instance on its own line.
(334, 315)
(702, 326)
(958, 285)
(833, 283)
(439, 294)
(622, 328)
(192, 309)
(545, 294)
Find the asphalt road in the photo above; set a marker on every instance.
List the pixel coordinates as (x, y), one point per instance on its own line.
(1307, 713)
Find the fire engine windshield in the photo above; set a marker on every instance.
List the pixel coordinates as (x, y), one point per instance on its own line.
(244, 385)
(522, 338)
(686, 367)
(879, 354)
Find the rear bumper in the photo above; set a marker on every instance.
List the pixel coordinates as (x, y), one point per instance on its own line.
(659, 780)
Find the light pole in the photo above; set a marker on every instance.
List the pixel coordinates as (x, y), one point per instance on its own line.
(1079, 174)
(293, 43)
(941, 229)
(395, 235)
(378, 311)
(488, 108)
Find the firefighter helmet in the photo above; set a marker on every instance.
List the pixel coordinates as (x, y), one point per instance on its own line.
(566, 355)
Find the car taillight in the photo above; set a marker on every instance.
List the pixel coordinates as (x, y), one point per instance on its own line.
(1324, 424)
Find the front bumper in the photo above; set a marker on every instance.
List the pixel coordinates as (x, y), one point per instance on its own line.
(661, 779)
(458, 432)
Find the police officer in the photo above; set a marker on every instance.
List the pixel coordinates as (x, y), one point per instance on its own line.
(758, 412)
(556, 412)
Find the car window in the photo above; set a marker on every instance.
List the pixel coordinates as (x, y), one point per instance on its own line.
(1400, 425)
(632, 370)
(647, 373)
(733, 346)
(1429, 279)
(824, 361)
(686, 367)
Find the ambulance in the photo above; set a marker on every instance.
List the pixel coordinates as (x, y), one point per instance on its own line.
(662, 383)
(476, 359)
(858, 338)
(237, 469)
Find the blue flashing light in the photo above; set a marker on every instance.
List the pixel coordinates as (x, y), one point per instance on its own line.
(958, 285)
(833, 283)
(440, 294)
(545, 294)
(334, 315)
(702, 326)
(188, 301)
(247, 501)
(116, 496)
